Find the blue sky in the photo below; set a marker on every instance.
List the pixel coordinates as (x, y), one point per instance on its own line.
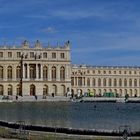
(101, 32)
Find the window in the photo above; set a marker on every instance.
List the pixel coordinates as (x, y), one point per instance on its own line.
(114, 72)
(129, 72)
(109, 72)
(104, 72)
(9, 54)
(119, 72)
(62, 55)
(18, 54)
(18, 72)
(93, 71)
(1, 54)
(87, 71)
(62, 73)
(44, 55)
(53, 55)
(1, 72)
(88, 82)
(9, 72)
(53, 73)
(124, 72)
(45, 72)
(99, 71)
(31, 54)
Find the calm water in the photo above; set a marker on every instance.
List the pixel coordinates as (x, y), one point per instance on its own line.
(75, 115)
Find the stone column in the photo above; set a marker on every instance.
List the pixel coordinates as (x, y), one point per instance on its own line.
(49, 73)
(23, 71)
(5, 73)
(58, 73)
(28, 71)
(41, 70)
(14, 72)
(37, 71)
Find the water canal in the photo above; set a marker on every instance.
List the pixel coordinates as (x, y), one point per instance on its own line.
(108, 116)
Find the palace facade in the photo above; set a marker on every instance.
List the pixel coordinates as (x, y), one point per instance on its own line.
(35, 71)
(29, 71)
(99, 80)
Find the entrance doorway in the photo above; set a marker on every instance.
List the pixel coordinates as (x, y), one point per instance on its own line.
(32, 90)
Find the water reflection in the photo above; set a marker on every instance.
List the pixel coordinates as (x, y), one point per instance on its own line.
(76, 115)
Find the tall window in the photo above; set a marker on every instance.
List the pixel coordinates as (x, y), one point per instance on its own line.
(99, 82)
(45, 90)
(45, 72)
(18, 90)
(53, 73)
(88, 82)
(1, 54)
(93, 82)
(9, 54)
(1, 89)
(9, 72)
(130, 82)
(79, 81)
(32, 55)
(115, 82)
(18, 72)
(62, 55)
(72, 81)
(32, 71)
(10, 90)
(125, 82)
(18, 54)
(44, 55)
(62, 73)
(120, 82)
(53, 55)
(1, 72)
(104, 82)
(135, 82)
(110, 82)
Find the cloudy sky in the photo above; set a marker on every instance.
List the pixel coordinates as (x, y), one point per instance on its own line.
(101, 32)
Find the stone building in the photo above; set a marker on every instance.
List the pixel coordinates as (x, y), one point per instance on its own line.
(99, 80)
(35, 70)
(39, 70)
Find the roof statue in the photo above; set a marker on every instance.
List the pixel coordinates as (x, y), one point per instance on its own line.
(38, 44)
(25, 44)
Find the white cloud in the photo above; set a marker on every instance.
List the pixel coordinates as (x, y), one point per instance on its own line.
(49, 30)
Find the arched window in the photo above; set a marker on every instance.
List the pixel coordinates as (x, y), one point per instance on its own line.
(93, 82)
(10, 90)
(45, 72)
(62, 73)
(88, 82)
(115, 82)
(1, 72)
(18, 72)
(9, 72)
(125, 82)
(79, 81)
(120, 82)
(32, 90)
(135, 82)
(110, 81)
(32, 71)
(130, 82)
(18, 90)
(45, 90)
(53, 73)
(72, 81)
(94, 91)
(125, 91)
(99, 82)
(63, 90)
(1, 90)
(54, 89)
(104, 82)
